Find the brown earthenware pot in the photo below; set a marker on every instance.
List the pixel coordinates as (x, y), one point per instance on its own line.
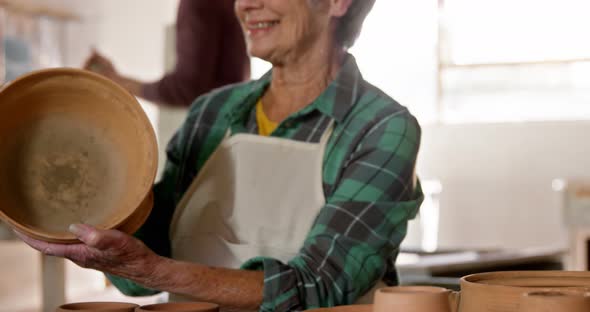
(503, 291)
(180, 307)
(74, 148)
(483, 292)
(98, 307)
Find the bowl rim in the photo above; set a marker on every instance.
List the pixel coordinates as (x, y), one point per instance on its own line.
(91, 306)
(188, 305)
(47, 236)
(473, 280)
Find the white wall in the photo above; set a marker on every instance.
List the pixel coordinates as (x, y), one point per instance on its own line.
(132, 33)
(497, 178)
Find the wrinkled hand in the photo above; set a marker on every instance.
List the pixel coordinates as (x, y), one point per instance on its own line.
(101, 65)
(109, 251)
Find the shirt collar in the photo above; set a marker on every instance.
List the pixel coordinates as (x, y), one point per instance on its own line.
(336, 101)
(342, 93)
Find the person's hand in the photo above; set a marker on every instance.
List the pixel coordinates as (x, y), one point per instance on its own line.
(109, 251)
(101, 65)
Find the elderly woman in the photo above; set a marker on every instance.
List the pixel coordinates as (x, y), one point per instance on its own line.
(286, 193)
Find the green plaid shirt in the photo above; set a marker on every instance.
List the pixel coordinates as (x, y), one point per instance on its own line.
(368, 179)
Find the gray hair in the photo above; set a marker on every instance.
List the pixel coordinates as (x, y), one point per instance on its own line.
(349, 25)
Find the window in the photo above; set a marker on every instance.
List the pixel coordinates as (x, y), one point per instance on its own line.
(495, 61)
(514, 60)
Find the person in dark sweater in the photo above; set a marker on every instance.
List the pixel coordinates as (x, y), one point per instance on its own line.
(210, 53)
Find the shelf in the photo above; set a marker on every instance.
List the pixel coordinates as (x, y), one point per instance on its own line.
(39, 11)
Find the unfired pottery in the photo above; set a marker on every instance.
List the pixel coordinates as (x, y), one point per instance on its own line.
(551, 301)
(485, 292)
(346, 308)
(98, 307)
(180, 307)
(74, 148)
(414, 299)
(503, 291)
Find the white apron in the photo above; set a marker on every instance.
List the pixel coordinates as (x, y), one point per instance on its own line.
(255, 196)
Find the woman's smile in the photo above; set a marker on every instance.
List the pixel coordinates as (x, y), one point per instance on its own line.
(259, 28)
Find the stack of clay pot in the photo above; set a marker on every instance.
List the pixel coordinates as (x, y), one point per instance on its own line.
(511, 291)
(517, 291)
(75, 148)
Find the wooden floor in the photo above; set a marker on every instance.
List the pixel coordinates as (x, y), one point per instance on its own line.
(20, 281)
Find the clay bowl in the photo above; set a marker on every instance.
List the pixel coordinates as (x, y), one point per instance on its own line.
(346, 308)
(74, 148)
(502, 291)
(180, 307)
(97, 307)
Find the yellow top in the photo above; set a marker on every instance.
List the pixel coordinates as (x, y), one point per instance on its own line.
(265, 125)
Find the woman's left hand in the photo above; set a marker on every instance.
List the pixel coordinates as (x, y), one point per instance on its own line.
(109, 251)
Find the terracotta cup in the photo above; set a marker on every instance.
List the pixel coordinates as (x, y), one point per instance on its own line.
(180, 307)
(555, 300)
(98, 307)
(346, 308)
(414, 299)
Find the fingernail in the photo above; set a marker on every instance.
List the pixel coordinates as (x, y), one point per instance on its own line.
(76, 229)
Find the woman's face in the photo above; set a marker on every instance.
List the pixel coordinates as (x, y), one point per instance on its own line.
(279, 30)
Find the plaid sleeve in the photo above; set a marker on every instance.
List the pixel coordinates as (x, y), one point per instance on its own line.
(359, 228)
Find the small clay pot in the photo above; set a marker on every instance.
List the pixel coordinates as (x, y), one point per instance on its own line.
(555, 300)
(180, 307)
(414, 299)
(345, 308)
(98, 307)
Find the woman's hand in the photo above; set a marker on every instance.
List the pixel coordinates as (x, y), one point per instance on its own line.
(109, 251)
(101, 65)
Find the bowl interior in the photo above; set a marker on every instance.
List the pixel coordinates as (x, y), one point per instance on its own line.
(74, 148)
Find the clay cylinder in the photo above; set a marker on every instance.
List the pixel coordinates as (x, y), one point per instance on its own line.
(503, 291)
(414, 299)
